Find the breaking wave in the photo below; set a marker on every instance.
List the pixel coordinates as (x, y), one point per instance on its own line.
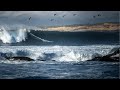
(56, 53)
(15, 35)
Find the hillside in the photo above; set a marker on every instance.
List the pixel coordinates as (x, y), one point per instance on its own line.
(95, 27)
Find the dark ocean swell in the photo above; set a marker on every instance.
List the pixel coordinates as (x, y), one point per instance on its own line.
(33, 37)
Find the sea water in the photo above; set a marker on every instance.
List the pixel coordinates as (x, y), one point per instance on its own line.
(57, 55)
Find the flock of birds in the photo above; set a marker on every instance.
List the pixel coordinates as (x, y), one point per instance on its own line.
(97, 15)
(62, 16)
(73, 15)
(55, 15)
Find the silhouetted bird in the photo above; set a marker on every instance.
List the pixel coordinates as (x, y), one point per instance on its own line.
(93, 16)
(55, 14)
(51, 19)
(99, 15)
(29, 18)
(74, 14)
(63, 15)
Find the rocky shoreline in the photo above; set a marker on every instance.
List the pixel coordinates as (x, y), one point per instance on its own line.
(19, 58)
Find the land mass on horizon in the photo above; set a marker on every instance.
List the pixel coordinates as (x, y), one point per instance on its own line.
(92, 27)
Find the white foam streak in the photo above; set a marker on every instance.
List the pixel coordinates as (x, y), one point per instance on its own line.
(40, 38)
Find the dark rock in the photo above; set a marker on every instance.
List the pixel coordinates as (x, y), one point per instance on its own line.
(113, 56)
(115, 50)
(109, 59)
(20, 58)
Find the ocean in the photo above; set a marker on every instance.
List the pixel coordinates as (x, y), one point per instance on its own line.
(57, 55)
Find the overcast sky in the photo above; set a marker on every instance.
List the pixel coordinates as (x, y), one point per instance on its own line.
(44, 17)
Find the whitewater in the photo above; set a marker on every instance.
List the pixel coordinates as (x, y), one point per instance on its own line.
(7, 35)
(57, 53)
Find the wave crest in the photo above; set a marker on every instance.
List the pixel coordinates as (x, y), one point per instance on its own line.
(8, 35)
(12, 36)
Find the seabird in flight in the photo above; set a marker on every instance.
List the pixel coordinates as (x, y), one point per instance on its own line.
(55, 14)
(93, 16)
(63, 15)
(74, 14)
(51, 19)
(29, 18)
(99, 15)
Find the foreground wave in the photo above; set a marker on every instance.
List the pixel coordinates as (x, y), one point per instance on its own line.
(55, 53)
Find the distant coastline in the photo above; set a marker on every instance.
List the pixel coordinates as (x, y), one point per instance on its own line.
(94, 27)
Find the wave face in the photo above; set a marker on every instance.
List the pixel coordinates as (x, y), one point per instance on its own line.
(56, 53)
(25, 36)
